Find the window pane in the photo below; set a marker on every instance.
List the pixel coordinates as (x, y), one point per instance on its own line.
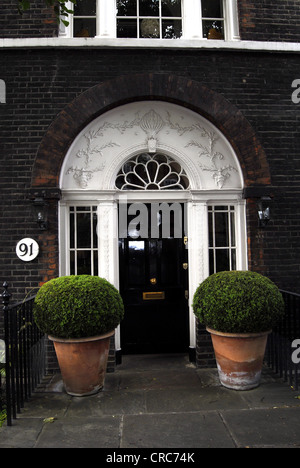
(233, 259)
(84, 27)
(83, 209)
(83, 230)
(210, 228)
(126, 7)
(171, 8)
(213, 29)
(84, 262)
(212, 9)
(211, 262)
(95, 263)
(95, 223)
(222, 260)
(85, 8)
(149, 7)
(127, 28)
(232, 227)
(171, 29)
(72, 263)
(221, 229)
(149, 28)
(72, 231)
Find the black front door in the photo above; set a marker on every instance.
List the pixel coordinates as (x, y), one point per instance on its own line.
(154, 287)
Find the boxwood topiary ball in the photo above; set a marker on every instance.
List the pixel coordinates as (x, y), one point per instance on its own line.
(238, 302)
(78, 307)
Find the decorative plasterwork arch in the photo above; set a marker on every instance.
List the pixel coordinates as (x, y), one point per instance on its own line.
(99, 151)
(159, 87)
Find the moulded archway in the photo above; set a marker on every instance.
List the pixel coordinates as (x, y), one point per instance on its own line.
(105, 144)
(180, 90)
(200, 151)
(89, 141)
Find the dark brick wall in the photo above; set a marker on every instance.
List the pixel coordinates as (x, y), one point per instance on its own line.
(40, 83)
(205, 356)
(39, 21)
(269, 20)
(260, 20)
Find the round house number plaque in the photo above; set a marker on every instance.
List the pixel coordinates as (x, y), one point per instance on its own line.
(27, 249)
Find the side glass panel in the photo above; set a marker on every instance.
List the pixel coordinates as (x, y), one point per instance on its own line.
(83, 240)
(222, 244)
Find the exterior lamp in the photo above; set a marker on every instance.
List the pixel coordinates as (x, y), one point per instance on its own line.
(40, 208)
(264, 211)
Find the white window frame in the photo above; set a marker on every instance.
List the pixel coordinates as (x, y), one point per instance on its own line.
(106, 22)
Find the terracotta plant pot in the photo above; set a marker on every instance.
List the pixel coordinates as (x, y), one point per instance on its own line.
(83, 363)
(239, 358)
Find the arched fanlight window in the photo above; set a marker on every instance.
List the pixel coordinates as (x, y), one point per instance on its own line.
(152, 172)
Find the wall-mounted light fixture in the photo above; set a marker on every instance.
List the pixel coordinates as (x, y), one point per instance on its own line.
(264, 213)
(40, 209)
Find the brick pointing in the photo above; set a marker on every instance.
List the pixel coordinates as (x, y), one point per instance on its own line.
(269, 20)
(39, 21)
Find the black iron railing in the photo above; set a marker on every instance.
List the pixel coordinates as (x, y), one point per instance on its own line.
(281, 354)
(24, 354)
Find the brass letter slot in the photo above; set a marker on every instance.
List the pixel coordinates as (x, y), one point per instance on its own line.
(153, 296)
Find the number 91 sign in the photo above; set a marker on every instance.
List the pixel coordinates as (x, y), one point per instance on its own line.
(27, 249)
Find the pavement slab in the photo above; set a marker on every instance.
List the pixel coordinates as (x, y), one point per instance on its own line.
(158, 401)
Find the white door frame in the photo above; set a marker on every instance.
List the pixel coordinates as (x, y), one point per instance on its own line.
(197, 210)
(97, 154)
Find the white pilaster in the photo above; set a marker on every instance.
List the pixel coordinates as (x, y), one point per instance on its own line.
(108, 260)
(198, 255)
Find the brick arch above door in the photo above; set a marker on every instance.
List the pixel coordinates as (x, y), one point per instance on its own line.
(175, 89)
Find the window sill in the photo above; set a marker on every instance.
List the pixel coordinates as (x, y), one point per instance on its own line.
(98, 42)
